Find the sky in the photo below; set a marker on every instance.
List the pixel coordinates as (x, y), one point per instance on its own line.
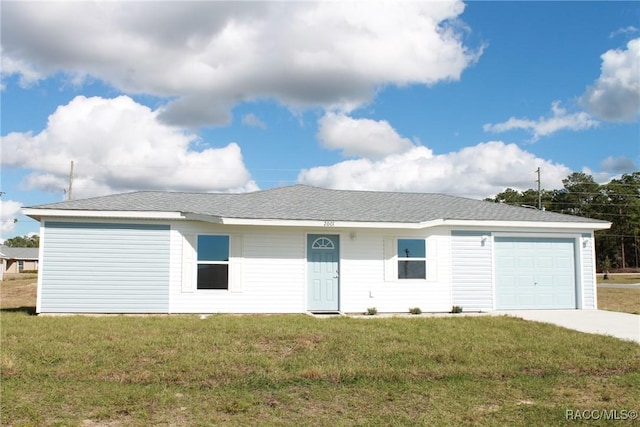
(465, 99)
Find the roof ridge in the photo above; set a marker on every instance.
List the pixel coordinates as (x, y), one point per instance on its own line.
(347, 190)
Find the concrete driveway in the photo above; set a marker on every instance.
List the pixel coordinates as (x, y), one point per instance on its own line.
(620, 286)
(620, 325)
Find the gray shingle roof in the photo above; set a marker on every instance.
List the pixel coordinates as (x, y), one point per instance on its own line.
(301, 202)
(7, 252)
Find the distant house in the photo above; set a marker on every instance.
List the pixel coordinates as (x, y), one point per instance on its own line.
(304, 249)
(17, 260)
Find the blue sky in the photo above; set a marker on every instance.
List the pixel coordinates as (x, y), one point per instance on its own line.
(464, 99)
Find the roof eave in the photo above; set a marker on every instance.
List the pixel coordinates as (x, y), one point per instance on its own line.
(38, 214)
(203, 218)
(323, 223)
(416, 225)
(529, 224)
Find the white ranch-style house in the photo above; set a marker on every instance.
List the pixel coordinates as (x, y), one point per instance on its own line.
(303, 249)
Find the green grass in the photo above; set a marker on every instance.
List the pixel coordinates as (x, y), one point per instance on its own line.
(618, 279)
(299, 370)
(623, 300)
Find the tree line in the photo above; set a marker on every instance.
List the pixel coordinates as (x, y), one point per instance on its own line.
(618, 202)
(31, 241)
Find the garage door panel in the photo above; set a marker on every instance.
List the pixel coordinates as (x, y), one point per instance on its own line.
(563, 262)
(545, 262)
(523, 245)
(525, 261)
(563, 281)
(544, 280)
(508, 261)
(545, 300)
(535, 273)
(524, 282)
(511, 281)
(509, 299)
(524, 300)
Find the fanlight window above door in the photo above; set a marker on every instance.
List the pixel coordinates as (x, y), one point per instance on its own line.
(322, 243)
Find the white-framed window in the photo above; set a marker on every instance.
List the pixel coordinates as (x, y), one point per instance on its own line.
(20, 265)
(412, 259)
(212, 262)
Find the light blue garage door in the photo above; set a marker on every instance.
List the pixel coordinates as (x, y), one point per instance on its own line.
(535, 273)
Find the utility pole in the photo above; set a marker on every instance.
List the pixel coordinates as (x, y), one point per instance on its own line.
(539, 192)
(70, 193)
(624, 260)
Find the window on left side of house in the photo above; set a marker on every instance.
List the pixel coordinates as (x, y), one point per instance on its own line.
(213, 262)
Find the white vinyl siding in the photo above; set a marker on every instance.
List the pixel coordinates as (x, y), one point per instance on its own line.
(589, 284)
(266, 271)
(361, 272)
(472, 272)
(366, 280)
(189, 259)
(151, 267)
(272, 266)
(104, 268)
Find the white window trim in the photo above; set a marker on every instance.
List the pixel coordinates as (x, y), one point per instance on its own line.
(189, 266)
(190, 263)
(391, 259)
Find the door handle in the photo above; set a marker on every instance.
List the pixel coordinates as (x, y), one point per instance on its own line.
(337, 276)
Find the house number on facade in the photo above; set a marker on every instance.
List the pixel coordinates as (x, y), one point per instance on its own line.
(329, 224)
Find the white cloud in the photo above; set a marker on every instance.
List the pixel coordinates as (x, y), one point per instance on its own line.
(209, 56)
(544, 126)
(478, 171)
(601, 177)
(253, 121)
(360, 137)
(618, 165)
(27, 74)
(119, 145)
(624, 31)
(9, 212)
(615, 96)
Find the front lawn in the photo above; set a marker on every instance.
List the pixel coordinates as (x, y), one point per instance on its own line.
(618, 279)
(300, 370)
(616, 299)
